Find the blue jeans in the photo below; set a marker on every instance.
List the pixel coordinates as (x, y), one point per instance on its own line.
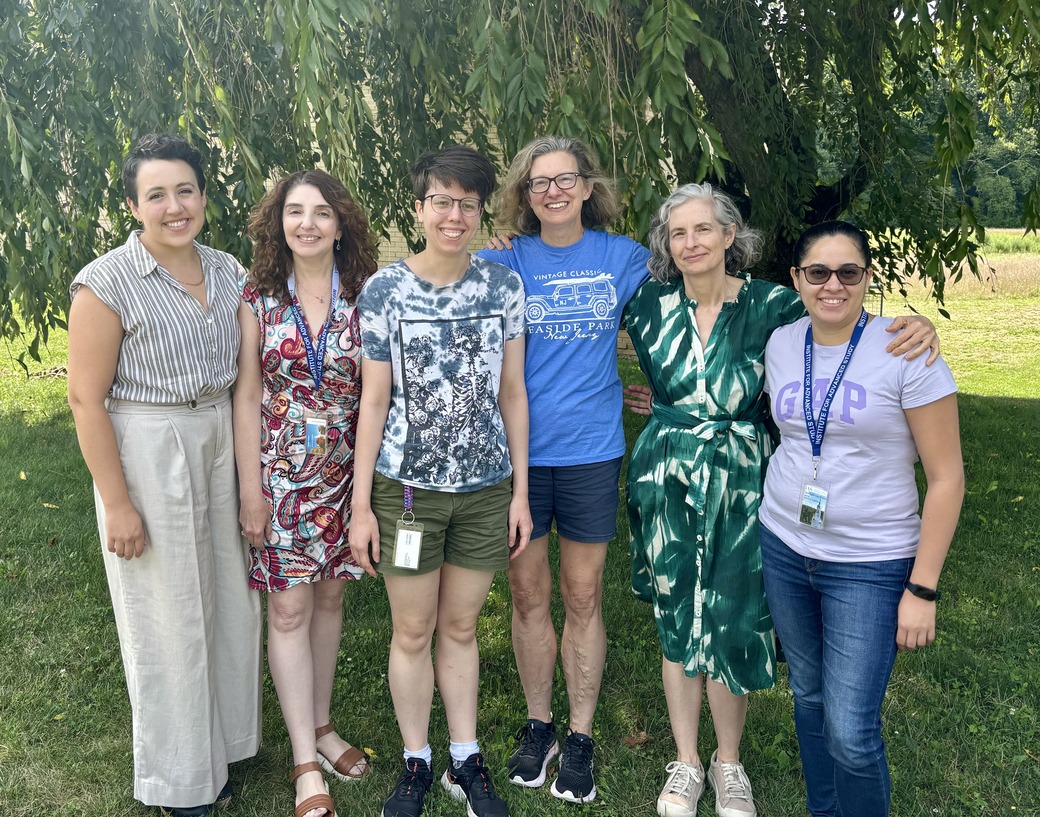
(837, 624)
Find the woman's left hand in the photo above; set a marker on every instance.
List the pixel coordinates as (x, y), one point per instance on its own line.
(639, 399)
(916, 622)
(255, 519)
(916, 334)
(520, 526)
(502, 241)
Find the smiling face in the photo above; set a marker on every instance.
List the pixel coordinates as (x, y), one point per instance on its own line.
(556, 209)
(834, 307)
(447, 233)
(696, 240)
(310, 224)
(170, 205)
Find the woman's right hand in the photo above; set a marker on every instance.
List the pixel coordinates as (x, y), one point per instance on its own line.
(501, 242)
(124, 530)
(639, 399)
(255, 519)
(364, 539)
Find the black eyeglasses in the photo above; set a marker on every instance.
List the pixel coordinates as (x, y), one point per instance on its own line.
(849, 274)
(442, 203)
(564, 181)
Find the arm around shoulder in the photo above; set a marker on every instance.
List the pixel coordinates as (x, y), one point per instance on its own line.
(916, 335)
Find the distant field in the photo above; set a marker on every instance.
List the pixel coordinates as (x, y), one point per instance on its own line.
(993, 332)
(1009, 267)
(1011, 241)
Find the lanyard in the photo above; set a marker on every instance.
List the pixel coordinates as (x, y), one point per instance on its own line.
(315, 357)
(408, 517)
(818, 427)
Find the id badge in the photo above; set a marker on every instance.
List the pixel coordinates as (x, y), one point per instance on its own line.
(408, 544)
(316, 427)
(813, 508)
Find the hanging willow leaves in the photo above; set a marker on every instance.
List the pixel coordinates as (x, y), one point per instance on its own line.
(803, 110)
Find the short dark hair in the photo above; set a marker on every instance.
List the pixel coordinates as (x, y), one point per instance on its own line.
(826, 229)
(456, 163)
(159, 146)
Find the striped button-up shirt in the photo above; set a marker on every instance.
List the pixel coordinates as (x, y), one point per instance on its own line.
(173, 349)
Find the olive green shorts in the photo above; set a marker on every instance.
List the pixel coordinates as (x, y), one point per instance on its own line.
(463, 529)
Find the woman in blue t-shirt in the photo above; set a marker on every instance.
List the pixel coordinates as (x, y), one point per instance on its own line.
(578, 279)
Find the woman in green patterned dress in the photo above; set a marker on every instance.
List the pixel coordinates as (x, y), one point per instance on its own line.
(699, 328)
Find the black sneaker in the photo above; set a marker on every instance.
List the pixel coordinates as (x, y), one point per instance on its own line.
(472, 782)
(537, 747)
(406, 800)
(574, 782)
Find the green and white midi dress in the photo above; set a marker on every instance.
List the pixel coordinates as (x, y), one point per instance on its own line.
(696, 474)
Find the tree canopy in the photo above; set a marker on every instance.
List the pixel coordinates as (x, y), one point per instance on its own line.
(803, 110)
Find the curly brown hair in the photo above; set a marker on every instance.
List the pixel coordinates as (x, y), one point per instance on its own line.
(272, 260)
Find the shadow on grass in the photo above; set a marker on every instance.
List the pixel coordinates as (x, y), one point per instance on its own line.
(962, 718)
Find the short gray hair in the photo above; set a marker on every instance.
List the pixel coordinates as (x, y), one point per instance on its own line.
(742, 253)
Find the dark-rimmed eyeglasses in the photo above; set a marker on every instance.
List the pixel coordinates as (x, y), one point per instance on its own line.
(563, 181)
(442, 203)
(848, 274)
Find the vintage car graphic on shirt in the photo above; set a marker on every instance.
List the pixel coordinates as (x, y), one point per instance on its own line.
(573, 297)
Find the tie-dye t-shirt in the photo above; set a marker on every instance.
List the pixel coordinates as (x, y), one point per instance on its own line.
(445, 343)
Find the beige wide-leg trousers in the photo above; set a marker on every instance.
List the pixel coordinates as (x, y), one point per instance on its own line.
(189, 626)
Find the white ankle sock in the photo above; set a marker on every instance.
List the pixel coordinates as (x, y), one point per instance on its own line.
(460, 751)
(425, 754)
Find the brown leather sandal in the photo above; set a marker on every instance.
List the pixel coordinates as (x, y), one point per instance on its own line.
(346, 762)
(315, 801)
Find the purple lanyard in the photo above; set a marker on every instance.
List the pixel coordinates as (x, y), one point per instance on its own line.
(315, 357)
(817, 428)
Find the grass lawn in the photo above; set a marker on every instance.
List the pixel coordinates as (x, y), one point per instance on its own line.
(962, 717)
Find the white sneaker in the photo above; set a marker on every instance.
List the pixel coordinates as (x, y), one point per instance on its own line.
(732, 789)
(681, 791)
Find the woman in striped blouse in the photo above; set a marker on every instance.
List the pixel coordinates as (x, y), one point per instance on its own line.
(153, 338)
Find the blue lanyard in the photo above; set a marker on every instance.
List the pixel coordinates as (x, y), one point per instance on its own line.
(315, 357)
(818, 427)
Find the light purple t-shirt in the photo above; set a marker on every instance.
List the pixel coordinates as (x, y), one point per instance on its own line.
(868, 452)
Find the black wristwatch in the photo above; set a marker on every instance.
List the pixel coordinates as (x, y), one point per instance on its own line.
(926, 593)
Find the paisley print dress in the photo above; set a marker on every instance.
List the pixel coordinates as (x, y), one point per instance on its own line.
(696, 474)
(310, 493)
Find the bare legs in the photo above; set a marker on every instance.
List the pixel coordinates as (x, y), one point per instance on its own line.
(447, 601)
(303, 632)
(534, 639)
(584, 641)
(728, 713)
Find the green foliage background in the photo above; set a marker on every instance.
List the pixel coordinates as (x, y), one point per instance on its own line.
(804, 110)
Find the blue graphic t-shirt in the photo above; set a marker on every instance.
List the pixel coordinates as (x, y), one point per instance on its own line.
(445, 343)
(575, 297)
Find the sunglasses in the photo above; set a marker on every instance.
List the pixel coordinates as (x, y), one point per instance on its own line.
(848, 274)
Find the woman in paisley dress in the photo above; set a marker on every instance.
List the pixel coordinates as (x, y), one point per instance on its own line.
(699, 328)
(295, 408)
